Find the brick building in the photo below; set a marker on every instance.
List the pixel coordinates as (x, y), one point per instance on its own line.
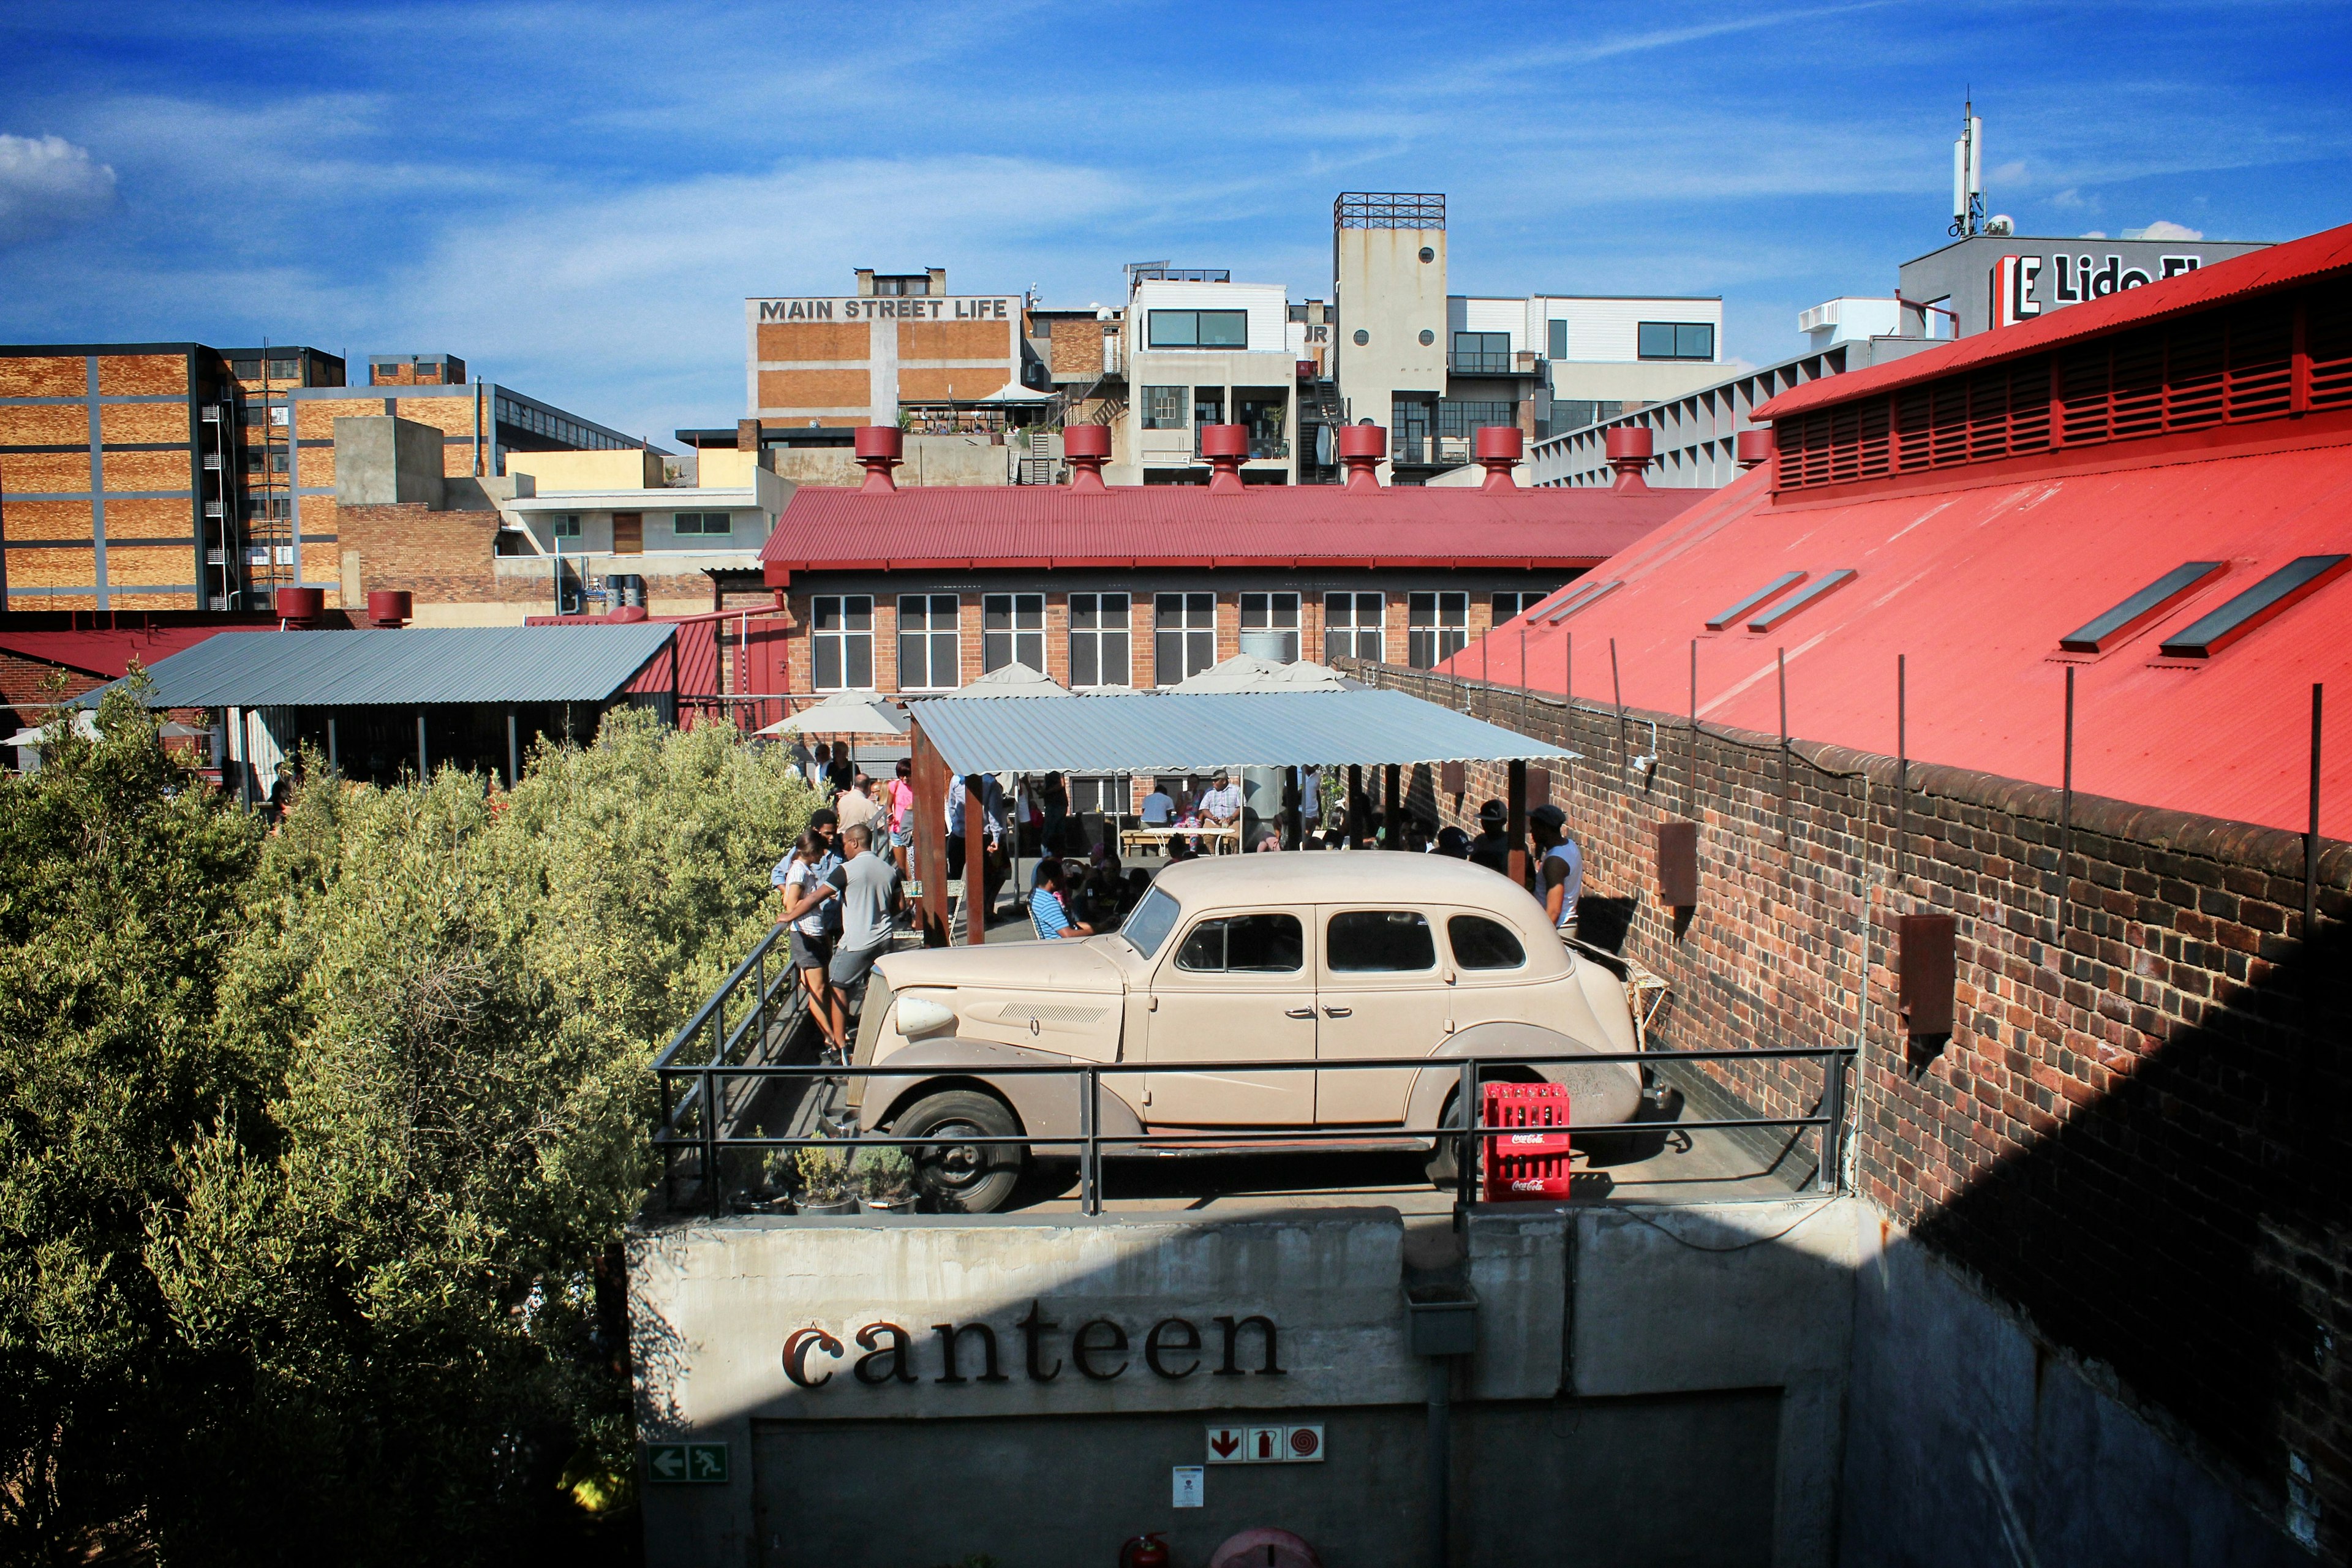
(900, 346)
(2112, 1182)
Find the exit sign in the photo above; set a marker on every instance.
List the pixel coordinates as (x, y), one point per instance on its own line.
(686, 1461)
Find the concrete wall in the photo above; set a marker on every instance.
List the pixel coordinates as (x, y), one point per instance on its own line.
(1657, 1334)
(1386, 291)
(555, 472)
(929, 460)
(384, 460)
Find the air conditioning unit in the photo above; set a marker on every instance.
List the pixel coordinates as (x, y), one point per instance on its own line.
(212, 509)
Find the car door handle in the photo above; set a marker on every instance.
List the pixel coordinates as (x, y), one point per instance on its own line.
(1336, 1012)
(1300, 1012)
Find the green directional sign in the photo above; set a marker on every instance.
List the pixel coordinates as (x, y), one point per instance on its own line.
(686, 1461)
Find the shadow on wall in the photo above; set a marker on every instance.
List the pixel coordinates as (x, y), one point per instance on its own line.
(2207, 1283)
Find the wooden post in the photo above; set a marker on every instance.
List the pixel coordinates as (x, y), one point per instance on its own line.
(1389, 809)
(514, 751)
(928, 859)
(423, 772)
(1355, 807)
(334, 758)
(1518, 822)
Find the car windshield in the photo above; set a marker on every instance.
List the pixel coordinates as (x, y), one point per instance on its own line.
(1153, 919)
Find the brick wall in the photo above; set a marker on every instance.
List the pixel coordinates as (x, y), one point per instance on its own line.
(2136, 1132)
(445, 558)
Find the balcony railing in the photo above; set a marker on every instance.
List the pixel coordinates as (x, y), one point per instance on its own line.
(1505, 364)
(1259, 446)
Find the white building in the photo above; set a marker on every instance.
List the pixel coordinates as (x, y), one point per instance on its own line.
(1202, 349)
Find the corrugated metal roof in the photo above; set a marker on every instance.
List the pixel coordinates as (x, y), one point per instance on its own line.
(1143, 733)
(2277, 267)
(1975, 583)
(109, 652)
(414, 664)
(1040, 526)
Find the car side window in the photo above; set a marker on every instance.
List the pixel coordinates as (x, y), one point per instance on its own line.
(1481, 943)
(1365, 941)
(1245, 944)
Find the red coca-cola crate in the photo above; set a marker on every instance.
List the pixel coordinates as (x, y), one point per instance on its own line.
(1532, 1163)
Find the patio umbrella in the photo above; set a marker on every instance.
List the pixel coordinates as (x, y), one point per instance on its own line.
(843, 713)
(1248, 672)
(1014, 680)
(85, 723)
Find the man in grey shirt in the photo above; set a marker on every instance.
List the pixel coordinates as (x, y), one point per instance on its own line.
(867, 886)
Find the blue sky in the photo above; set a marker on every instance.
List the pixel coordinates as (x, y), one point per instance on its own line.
(576, 199)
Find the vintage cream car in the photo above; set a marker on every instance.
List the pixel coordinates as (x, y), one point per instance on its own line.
(1249, 958)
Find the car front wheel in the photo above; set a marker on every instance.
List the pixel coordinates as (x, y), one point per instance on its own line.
(963, 1178)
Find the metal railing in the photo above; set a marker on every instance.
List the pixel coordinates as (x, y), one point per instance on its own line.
(1482, 363)
(695, 1117)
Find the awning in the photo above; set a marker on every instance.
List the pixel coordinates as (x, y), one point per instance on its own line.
(410, 665)
(1168, 732)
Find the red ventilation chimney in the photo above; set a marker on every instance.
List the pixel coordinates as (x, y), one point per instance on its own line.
(300, 606)
(1498, 447)
(1629, 454)
(1362, 447)
(1224, 446)
(391, 608)
(1755, 449)
(881, 448)
(1087, 447)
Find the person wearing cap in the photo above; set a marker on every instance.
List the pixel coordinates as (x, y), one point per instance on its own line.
(1453, 843)
(1560, 875)
(1492, 847)
(1221, 806)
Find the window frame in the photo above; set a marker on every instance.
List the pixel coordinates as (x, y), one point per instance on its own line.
(1175, 410)
(702, 522)
(1188, 635)
(1331, 948)
(1430, 643)
(1353, 627)
(934, 641)
(1556, 337)
(1453, 948)
(844, 637)
(1522, 599)
(1095, 637)
(1641, 339)
(1225, 953)
(1184, 329)
(1271, 608)
(1014, 640)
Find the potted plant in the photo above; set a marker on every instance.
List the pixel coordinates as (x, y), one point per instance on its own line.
(823, 1179)
(886, 1176)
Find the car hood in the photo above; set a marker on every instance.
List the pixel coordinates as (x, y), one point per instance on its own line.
(1023, 965)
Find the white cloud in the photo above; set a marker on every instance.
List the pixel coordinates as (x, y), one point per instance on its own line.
(47, 184)
(2164, 228)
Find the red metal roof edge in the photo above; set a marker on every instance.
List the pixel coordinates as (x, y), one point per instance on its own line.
(2257, 271)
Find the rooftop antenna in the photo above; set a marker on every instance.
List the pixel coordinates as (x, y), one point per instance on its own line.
(1967, 173)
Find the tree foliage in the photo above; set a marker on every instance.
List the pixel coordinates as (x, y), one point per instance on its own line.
(318, 1144)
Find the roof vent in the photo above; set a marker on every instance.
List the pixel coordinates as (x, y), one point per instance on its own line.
(881, 448)
(1087, 447)
(1362, 447)
(2266, 600)
(1498, 447)
(1755, 449)
(300, 606)
(1224, 446)
(1630, 446)
(2122, 620)
(391, 608)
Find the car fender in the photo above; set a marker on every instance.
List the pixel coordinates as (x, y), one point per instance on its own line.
(1046, 1103)
(1602, 1094)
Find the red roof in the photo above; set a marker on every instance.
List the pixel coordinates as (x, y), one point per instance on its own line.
(109, 653)
(2277, 267)
(1041, 527)
(1975, 583)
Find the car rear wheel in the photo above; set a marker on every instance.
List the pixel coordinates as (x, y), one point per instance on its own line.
(964, 1178)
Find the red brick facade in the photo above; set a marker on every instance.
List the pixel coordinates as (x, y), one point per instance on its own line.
(2135, 1133)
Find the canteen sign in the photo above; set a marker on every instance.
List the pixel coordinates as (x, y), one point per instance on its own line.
(1099, 1349)
(912, 308)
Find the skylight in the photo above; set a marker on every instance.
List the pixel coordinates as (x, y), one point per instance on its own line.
(2097, 636)
(1583, 600)
(1796, 601)
(2273, 596)
(1785, 581)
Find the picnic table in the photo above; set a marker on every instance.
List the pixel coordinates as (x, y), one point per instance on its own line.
(1222, 840)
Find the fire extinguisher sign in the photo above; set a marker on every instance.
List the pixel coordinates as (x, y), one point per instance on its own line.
(1300, 1444)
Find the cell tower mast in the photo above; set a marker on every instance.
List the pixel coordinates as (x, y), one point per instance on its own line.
(1968, 174)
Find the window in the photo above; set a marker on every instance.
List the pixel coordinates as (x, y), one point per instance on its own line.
(1437, 626)
(1275, 615)
(930, 659)
(1676, 339)
(1012, 630)
(1773, 615)
(1245, 944)
(1409, 422)
(1263, 411)
(1183, 636)
(1510, 606)
(2138, 610)
(1372, 942)
(903, 286)
(1481, 943)
(1481, 353)
(1152, 921)
(284, 369)
(2271, 597)
(1163, 408)
(566, 525)
(1098, 639)
(1722, 618)
(702, 523)
(1559, 344)
(841, 640)
(1355, 626)
(1208, 408)
(1198, 330)
(1462, 418)
(1098, 793)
